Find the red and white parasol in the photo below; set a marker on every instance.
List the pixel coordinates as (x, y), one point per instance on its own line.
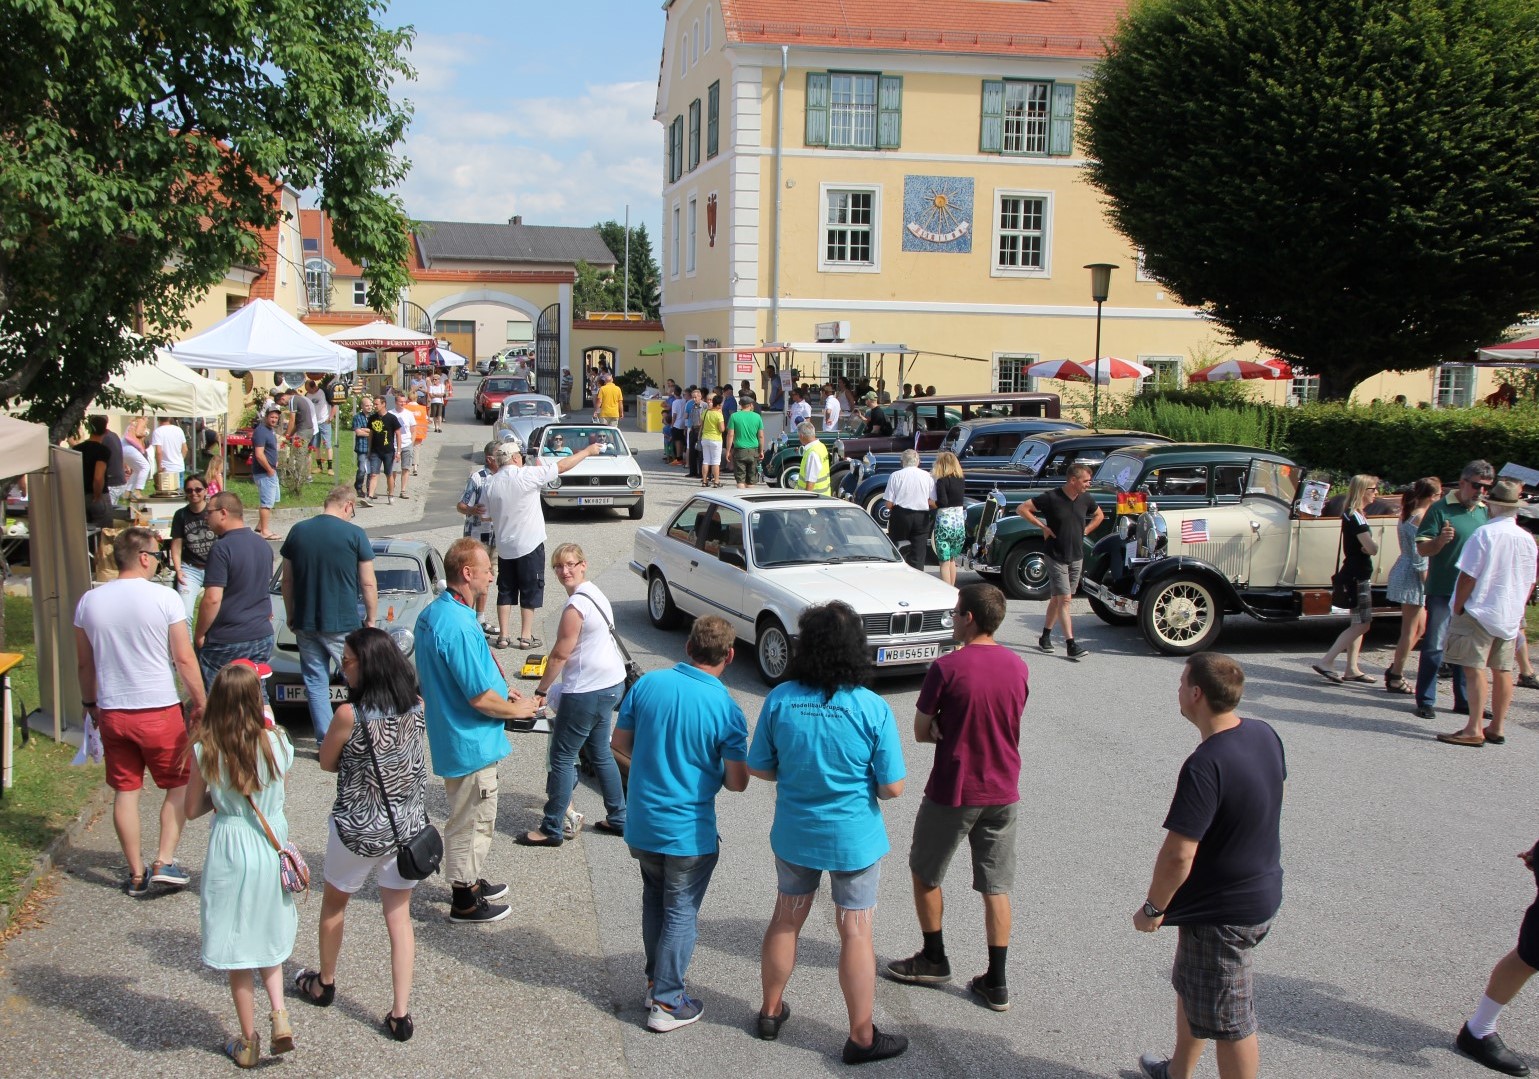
(1234, 370)
(1106, 369)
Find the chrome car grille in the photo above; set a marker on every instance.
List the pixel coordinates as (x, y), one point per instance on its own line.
(904, 622)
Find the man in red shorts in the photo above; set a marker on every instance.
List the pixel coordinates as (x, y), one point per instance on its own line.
(130, 636)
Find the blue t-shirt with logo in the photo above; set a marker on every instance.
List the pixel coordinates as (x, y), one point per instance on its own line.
(686, 726)
(829, 756)
(454, 665)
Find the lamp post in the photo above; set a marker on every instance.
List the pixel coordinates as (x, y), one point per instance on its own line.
(1100, 289)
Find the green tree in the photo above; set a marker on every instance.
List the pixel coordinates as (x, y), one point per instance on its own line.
(1352, 184)
(138, 145)
(645, 278)
(596, 289)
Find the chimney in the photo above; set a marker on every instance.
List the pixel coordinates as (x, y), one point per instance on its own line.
(516, 219)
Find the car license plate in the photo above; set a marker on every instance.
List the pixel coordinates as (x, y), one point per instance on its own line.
(295, 694)
(606, 500)
(906, 653)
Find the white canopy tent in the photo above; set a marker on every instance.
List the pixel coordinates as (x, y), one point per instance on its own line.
(381, 336)
(23, 447)
(169, 386)
(261, 336)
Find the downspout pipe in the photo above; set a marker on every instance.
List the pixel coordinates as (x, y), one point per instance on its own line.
(780, 136)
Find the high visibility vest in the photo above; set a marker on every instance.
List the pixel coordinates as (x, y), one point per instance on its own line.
(819, 451)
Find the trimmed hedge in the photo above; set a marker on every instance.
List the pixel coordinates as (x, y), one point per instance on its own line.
(1243, 425)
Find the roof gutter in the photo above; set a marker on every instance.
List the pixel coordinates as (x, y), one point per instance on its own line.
(780, 134)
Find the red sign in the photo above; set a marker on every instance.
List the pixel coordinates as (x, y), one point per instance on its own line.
(745, 365)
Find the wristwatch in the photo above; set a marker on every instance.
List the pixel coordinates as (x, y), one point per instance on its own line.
(1152, 911)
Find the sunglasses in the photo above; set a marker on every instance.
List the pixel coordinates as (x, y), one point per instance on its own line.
(1479, 485)
(196, 490)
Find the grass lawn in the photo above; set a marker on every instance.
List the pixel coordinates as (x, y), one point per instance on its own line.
(345, 462)
(48, 791)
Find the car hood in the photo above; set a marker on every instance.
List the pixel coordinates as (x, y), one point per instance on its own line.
(599, 466)
(869, 587)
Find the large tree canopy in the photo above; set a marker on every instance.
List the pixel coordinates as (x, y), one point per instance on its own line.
(1352, 184)
(138, 148)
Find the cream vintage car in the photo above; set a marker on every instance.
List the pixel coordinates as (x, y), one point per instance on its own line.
(759, 558)
(1178, 572)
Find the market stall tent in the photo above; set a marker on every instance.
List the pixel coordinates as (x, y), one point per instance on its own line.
(168, 386)
(261, 336)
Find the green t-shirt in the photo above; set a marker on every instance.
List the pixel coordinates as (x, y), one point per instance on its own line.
(324, 552)
(746, 426)
(711, 426)
(1443, 567)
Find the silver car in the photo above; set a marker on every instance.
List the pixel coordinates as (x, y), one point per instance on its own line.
(522, 414)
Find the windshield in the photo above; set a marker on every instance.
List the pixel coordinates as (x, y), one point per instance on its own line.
(1029, 456)
(525, 406)
(818, 535)
(499, 385)
(561, 441)
(1120, 470)
(394, 574)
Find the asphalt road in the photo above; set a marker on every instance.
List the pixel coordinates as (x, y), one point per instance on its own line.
(1401, 890)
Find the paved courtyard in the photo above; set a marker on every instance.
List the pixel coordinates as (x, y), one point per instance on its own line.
(1401, 890)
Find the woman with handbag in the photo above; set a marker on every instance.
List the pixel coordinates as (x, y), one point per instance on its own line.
(1408, 578)
(247, 908)
(1355, 580)
(377, 746)
(588, 660)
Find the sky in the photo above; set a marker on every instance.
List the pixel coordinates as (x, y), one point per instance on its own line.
(531, 108)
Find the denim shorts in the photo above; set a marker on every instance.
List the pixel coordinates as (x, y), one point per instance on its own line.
(854, 890)
(322, 438)
(267, 490)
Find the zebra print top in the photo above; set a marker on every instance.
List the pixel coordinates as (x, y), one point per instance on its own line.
(400, 744)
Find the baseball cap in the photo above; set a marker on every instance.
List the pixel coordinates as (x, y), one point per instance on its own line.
(1506, 493)
(507, 451)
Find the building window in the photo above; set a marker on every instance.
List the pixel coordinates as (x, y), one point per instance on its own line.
(1455, 386)
(1166, 376)
(360, 294)
(694, 57)
(676, 149)
(683, 55)
(1010, 374)
(689, 255)
(673, 264)
(850, 229)
(707, 46)
(694, 134)
(317, 284)
(1304, 388)
(713, 120)
(1141, 273)
(1020, 234)
(851, 365)
(854, 111)
(1021, 117)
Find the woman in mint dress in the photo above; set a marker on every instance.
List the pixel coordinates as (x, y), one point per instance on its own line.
(248, 919)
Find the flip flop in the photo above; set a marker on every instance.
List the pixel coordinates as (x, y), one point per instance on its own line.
(1356, 678)
(1329, 676)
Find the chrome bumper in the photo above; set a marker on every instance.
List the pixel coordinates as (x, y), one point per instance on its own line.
(1115, 600)
(565, 500)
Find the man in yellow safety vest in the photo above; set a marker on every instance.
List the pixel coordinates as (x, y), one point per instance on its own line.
(815, 471)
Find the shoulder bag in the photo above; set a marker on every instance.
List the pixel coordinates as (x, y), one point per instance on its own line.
(633, 671)
(292, 870)
(418, 857)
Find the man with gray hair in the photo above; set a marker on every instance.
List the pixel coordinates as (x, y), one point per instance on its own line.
(910, 496)
(1496, 574)
(1447, 526)
(815, 472)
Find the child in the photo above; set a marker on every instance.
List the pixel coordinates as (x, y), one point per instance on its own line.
(213, 473)
(248, 919)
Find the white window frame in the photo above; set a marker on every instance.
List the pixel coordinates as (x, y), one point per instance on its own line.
(1304, 388)
(708, 34)
(360, 293)
(1025, 359)
(1140, 272)
(856, 114)
(694, 38)
(318, 287)
(1159, 363)
(1447, 393)
(692, 225)
(825, 265)
(673, 253)
(1046, 270)
(683, 55)
(1046, 88)
(850, 365)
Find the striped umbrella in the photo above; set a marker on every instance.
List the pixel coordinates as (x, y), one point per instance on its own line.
(1234, 370)
(1109, 367)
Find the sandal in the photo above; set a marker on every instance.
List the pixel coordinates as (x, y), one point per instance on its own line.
(305, 984)
(1328, 675)
(245, 1054)
(1395, 683)
(399, 1028)
(1358, 677)
(502, 642)
(527, 643)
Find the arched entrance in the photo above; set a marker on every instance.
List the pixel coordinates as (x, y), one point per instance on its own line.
(590, 358)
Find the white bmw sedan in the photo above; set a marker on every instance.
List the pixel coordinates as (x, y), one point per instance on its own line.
(759, 558)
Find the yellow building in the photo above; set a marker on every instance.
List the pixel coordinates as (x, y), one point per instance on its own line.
(905, 171)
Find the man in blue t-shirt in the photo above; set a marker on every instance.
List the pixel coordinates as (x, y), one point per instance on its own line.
(328, 570)
(1218, 876)
(235, 616)
(467, 704)
(686, 739)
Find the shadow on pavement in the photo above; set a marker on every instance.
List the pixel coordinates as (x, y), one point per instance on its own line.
(115, 1006)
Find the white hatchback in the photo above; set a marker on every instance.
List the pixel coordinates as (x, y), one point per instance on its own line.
(759, 558)
(611, 479)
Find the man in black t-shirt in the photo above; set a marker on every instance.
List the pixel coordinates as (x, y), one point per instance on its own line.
(1218, 876)
(382, 428)
(1064, 514)
(95, 460)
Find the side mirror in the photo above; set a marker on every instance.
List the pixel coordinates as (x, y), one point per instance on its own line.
(733, 556)
(440, 585)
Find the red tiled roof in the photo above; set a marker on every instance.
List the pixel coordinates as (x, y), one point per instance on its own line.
(316, 225)
(1057, 28)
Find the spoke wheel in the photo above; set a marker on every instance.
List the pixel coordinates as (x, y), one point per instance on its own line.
(660, 607)
(790, 477)
(773, 652)
(1180, 615)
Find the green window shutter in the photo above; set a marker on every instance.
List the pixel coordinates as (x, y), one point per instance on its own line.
(713, 120)
(889, 112)
(1060, 131)
(817, 108)
(991, 134)
(676, 149)
(694, 134)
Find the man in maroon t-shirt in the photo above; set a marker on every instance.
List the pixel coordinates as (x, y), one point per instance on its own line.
(970, 708)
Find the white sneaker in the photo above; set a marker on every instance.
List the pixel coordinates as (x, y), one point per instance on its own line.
(569, 830)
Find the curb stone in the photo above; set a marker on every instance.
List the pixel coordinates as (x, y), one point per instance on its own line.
(95, 806)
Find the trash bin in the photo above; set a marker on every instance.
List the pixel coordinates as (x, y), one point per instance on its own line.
(655, 414)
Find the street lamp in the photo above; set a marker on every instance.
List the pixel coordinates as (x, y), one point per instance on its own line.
(1100, 289)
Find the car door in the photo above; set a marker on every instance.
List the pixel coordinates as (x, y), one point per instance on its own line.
(716, 587)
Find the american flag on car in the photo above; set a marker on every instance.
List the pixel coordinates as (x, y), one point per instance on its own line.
(1194, 531)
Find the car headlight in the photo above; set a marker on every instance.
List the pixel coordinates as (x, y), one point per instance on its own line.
(989, 534)
(633, 482)
(554, 485)
(404, 640)
(946, 620)
(839, 446)
(869, 460)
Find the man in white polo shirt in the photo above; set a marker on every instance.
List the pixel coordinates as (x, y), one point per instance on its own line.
(910, 497)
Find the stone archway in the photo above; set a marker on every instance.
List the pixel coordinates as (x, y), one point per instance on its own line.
(489, 296)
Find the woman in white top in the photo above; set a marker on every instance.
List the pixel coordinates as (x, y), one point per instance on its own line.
(437, 389)
(586, 661)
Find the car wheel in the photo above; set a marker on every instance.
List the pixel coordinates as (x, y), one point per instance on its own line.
(876, 506)
(1180, 615)
(790, 477)
(1105, 613)
(660, 606)
(1025, 572)
(639, 509)
(773, 652)
(836, 476)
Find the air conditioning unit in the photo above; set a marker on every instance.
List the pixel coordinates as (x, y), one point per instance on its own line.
(831, 331)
